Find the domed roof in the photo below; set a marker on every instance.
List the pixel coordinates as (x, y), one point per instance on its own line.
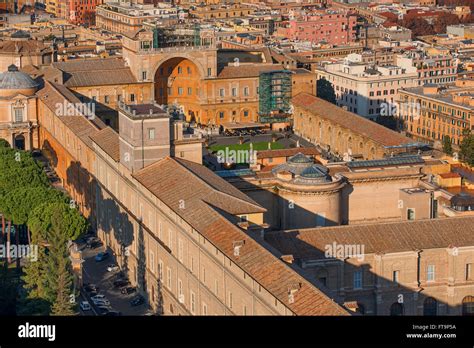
(300, 158)
(14, 79)
(315, 171)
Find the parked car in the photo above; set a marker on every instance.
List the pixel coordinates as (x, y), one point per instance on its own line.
(101, 256)
(137, 301)
(128, 290)
(103, 302)
(121, 283)
(102, 310)
(98, 297)
(112, 268)
(90, 287)
(85, 306)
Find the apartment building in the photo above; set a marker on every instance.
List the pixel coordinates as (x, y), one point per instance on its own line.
(122, 17)
(442, 112)
(432, 69)
(335, 28)
(366, 89)
(402, 268)
(212, 12)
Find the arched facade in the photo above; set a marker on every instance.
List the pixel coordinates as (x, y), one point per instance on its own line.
(178, 82)
(430, 306)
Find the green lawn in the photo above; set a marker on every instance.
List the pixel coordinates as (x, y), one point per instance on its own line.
(246, 146)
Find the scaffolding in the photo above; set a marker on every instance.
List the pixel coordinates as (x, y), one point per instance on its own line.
(176, 37)
(274, 96)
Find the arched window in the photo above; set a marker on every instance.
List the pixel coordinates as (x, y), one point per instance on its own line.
(20, 142)
(430, 306)
(468, 305)
(396, 309)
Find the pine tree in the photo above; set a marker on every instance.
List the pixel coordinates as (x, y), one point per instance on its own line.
(58, 275)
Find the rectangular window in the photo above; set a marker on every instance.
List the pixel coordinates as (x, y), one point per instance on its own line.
(230, 300)
(193, 302)
(143, 75)
(431, 273)
(221, 92)
(170, 237)
(168, 275)
(132, 97)
(160, 270)
(358, 280)
(180, 250)
(234, 92)
(160, 230)
(204, 308)
(180, 289)
(209, 71)
(180, 90)
(106, 99)
(152, 261)
(246, 91)
(151, 133)
(18, 115)
(410, 214)
(190, 90)
(469, 271)
(396, 276)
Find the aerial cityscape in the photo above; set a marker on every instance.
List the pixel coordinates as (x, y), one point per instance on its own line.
(244, 158)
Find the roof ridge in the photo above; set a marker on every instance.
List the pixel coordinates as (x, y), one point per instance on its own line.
(214, 188)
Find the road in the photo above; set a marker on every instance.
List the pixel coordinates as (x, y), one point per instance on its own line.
(96, 273)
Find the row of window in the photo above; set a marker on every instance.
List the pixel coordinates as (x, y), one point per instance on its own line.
(430, 276)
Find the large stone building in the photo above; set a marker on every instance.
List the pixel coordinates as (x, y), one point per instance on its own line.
(441, 112)
(212, 86)
(404, 268)
(365, 89)
(342, 132)
(168, 237)
(123, 17)
(335, 28)
(18, 109)
(21, 51)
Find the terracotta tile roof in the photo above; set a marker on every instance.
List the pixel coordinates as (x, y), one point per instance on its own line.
(53, 94)
(287, 152)
(95, 72)
(390, 237)
(22, 47)
(251, 70)
(207, 200)
(108, 140)
(349, 120)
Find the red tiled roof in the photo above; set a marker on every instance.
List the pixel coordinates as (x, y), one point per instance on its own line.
(390, 237)
(95, 72)
(349, 120)
(108, 140)
(207, 200)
